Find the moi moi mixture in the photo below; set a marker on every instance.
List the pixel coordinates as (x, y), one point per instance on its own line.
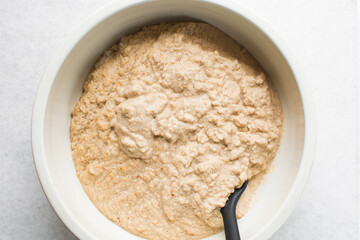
(171, 120)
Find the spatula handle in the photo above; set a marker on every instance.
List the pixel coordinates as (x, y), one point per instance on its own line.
(229, 214)
(230, 225)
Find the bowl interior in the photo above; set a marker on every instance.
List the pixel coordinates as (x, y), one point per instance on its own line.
(67, 87)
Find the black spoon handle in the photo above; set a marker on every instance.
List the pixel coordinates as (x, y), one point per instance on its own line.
(229, 214)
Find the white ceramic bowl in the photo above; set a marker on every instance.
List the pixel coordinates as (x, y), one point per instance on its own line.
(61, 87)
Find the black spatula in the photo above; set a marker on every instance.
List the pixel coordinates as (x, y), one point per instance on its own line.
(229, 214)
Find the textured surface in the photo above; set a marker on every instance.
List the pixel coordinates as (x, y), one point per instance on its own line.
(322, 34)
(172, 119)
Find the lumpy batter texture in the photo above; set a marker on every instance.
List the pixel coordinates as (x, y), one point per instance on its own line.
(171, 120)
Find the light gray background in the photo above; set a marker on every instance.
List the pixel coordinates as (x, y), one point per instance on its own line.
(322, 34)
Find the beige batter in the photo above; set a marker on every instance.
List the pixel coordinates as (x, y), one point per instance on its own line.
(172, 119)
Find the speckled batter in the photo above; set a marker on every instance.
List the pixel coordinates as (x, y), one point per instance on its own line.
(172, 119)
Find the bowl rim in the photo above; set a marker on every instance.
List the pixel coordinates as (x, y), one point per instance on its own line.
(43, 91)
